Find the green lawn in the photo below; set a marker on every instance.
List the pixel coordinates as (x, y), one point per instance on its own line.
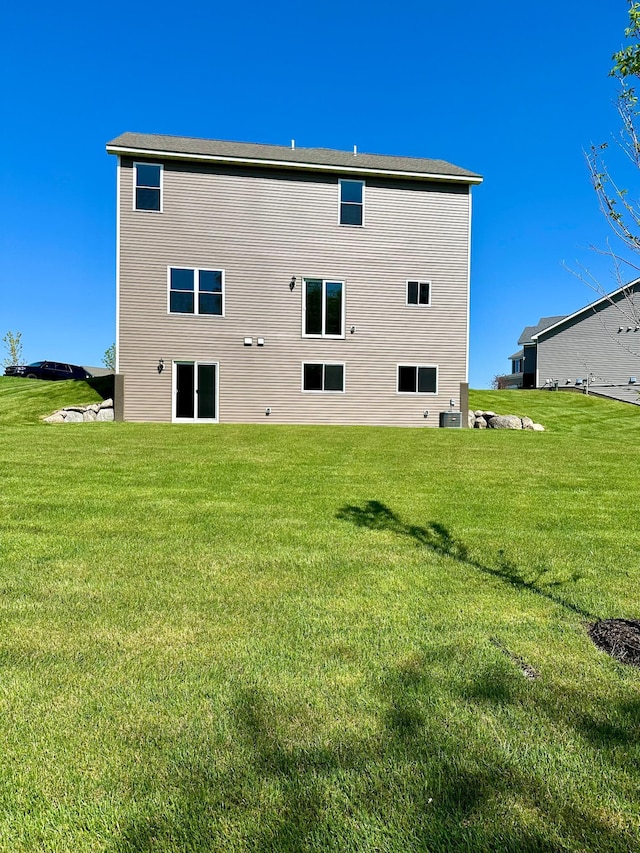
(268, 638)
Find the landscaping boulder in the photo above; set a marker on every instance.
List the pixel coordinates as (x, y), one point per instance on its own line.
(527, 423)
(480, 423)
(504, 422)
(105, 415)
(73, 417)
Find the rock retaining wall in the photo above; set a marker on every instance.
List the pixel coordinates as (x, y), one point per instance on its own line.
(490, 420)
(82, 414)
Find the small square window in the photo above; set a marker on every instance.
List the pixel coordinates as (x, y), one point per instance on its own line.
(148, 186)
(418, 293)
(417, 379)
(351, 202)
(195, 291)
(323, 377)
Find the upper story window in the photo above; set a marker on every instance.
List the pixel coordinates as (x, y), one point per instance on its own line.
(351, 202)
(196, 291)
(323, 308)
(147, 186)
(417, 379)
(418, 293)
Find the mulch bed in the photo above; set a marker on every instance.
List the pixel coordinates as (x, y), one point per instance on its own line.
(619, 638)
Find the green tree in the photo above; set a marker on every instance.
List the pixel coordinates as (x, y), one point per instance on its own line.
(109, 357)
(13, 345)
(621, 210)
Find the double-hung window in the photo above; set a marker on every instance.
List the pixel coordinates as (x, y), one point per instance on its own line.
(322, 377)
(323, 308)
(351, 202)
(417, 379)
(147, 186)
(419, 293)
(196, 291)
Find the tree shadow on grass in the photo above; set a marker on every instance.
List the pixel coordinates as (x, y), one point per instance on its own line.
(412, 785)
(437, 538)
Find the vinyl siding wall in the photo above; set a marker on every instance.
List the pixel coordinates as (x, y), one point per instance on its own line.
(261, 227)
(593, 344)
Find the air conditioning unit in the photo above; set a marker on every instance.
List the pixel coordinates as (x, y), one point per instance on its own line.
(451, 419)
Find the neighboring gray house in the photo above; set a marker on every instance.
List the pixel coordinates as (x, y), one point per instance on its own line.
(598, 346)
(293, 285)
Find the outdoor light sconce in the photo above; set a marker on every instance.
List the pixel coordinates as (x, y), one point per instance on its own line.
(292, 283)
(425, 414)
(267, 411)
(353, 330)
(160, 365)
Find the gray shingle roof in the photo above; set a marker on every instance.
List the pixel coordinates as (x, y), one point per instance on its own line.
(543, 323)
(516, 355)
(324, 158)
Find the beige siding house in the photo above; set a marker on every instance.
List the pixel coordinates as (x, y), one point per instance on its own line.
(259, 283)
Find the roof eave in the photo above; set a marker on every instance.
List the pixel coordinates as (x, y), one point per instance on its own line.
(591, 307)
(288, 164)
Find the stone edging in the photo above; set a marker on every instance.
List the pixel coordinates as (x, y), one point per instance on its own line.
(490, 420)
(83, 414)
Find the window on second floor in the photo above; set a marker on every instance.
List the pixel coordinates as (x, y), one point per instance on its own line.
(419, 293)
(323, 308)
(196, 291)
(147, 186)
(351, 202)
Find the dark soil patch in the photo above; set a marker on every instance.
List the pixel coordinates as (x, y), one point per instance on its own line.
(619, 638)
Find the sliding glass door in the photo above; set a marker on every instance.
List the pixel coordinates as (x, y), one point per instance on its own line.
(195, 391)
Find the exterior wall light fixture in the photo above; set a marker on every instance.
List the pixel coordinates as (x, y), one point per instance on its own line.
(160, 365)
(292, 283)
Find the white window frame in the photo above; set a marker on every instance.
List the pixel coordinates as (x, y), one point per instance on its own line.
(324, 281)
(141, 186)
(418, 281)
(416, 392)
(324, 364)
(364, 187)
(196, 291)
(174, 378)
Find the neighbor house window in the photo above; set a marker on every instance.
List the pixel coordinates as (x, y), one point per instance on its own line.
(418, 293)
(417, 379)
(148, 186)
(323, 308)
(196, 291)
(351, 202)
(323, 377)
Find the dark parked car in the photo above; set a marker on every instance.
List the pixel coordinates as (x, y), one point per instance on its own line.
(47, 370)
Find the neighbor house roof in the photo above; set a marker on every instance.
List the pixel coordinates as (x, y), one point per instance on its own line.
(516, 355)
(529, 332)
(325, 159)
(631, 286)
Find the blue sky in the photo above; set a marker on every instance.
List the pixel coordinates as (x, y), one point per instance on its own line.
(514, 91)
